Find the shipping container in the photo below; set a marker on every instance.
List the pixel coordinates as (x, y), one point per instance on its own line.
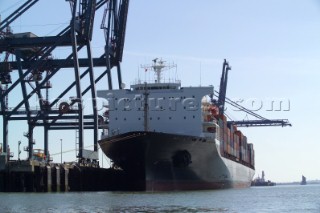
(252, 163)
(245, 141)
(251, 154)
(235, 128)
(221, 147)
(223, 117)
(239, 133)
(236, 143)
(231, 139)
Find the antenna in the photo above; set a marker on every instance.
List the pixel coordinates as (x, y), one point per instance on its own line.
(138, 74)
(200, 73)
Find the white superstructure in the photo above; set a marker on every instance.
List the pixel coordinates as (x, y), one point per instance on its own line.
(158, 107)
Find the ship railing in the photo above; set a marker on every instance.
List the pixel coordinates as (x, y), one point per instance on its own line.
(165, 80)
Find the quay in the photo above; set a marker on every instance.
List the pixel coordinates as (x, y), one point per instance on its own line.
(36, 176)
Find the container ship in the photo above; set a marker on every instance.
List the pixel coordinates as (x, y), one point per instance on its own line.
(168, 137)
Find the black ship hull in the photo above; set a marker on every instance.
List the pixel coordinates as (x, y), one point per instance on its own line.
(163, 162)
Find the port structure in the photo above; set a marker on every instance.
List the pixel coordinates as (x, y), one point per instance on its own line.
(33, 61)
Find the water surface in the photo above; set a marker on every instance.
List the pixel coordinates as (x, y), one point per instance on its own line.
(288, 198)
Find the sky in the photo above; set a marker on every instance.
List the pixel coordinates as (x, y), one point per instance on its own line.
(272, 46)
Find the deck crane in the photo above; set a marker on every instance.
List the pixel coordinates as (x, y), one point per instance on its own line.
(222, 99)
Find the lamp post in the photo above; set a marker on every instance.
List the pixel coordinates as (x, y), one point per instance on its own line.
(102, 158)
(19, 152)
(61, 150)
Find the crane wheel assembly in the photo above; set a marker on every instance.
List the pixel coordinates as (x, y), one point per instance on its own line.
(64, 107)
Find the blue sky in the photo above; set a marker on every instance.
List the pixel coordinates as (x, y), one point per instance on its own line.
(273, 48)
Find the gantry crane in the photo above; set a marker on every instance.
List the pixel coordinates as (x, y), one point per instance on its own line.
(35, 66)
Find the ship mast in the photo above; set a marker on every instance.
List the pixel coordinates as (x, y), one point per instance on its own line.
(158, 67)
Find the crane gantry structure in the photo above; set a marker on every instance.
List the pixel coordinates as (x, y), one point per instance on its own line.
(35, 65)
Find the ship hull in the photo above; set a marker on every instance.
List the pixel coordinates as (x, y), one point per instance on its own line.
(163, 162)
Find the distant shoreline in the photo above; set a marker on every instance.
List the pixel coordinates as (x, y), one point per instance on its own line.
(298, 183)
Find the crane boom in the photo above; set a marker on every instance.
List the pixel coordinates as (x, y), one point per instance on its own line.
(222, 99)
(257, 123)
(223, 86)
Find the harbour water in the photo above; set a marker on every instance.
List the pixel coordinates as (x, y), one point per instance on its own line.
(285, 198)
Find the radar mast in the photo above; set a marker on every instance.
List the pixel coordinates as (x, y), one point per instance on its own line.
(158, 67)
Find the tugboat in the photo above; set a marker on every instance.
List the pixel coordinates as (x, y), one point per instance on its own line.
(262, 182)
(169, 137)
